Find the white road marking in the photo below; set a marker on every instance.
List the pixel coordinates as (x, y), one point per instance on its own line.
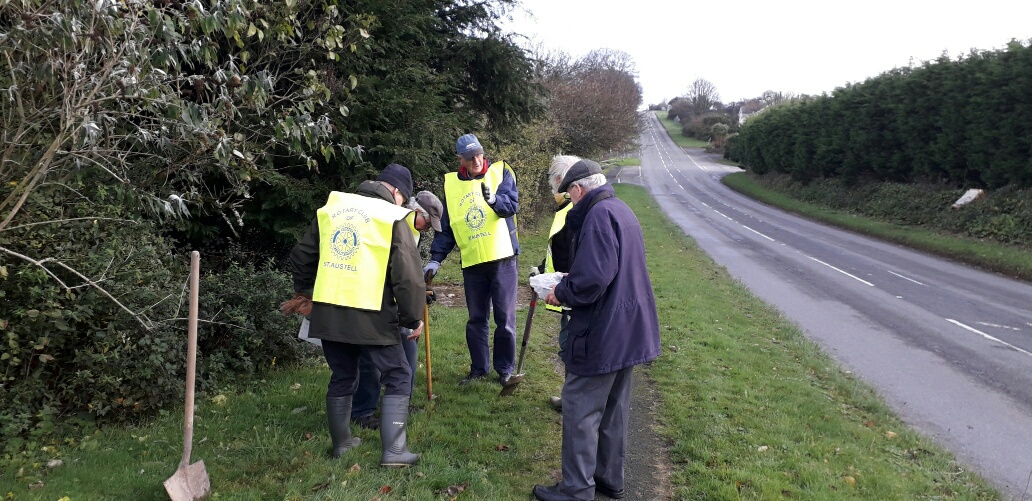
(854, 277)
(758, 233)
(987, 336)
(987, 324)
(905, 278)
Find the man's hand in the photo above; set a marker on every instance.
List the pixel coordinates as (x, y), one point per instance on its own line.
(488, 196)
(551, 299)
(416, 332)
(301, 304)
(430, 270)
(534, 271)
(430, 297)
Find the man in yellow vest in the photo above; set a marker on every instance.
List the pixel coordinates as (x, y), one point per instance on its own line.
(557, 254)
(359, 265)
(480, 202)
(427, 209)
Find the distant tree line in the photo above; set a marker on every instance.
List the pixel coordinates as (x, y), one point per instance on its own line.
(964, 122)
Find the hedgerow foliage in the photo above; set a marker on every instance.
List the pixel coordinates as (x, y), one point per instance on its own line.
(132, 132)
(1004, 215)
(964, 123)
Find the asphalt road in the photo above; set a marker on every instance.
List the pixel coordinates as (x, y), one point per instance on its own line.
(947, 346)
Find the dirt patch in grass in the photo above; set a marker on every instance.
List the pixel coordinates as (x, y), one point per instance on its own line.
(453, 296)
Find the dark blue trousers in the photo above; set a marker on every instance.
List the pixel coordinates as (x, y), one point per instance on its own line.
(487, 286)
(367, 396)
(342, 358)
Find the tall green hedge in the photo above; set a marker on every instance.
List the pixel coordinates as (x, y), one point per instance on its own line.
(964, 122)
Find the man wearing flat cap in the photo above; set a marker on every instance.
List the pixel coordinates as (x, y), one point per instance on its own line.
(359, 266)
(613, 327)
(480, 204)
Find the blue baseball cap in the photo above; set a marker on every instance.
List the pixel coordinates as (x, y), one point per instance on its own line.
(468, 147)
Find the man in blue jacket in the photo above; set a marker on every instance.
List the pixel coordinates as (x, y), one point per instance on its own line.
(480, 204)
(613, 327)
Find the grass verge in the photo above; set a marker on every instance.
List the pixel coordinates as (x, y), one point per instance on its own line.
(750, 409)
(991, 256)
(674, 131)
(621, 162)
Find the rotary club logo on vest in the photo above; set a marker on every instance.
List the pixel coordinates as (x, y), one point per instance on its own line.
(345, 241)
(475, 217)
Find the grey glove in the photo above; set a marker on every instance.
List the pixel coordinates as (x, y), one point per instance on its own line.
(430, 270)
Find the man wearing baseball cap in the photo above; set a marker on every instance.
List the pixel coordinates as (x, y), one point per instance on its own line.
(480, 206)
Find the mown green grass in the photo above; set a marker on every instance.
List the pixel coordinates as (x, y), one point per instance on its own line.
(674, 131)
(750, 408)
(621, 162)
(984, 254)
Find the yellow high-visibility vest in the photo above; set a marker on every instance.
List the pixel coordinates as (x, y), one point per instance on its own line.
(481, 235)
(355, 234)
(557, 225)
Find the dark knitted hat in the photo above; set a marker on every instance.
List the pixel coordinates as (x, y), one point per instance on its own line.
(399, 177)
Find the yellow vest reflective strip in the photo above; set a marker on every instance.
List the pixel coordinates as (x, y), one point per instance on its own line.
(481, 235)
(557, 225)
(355, 235)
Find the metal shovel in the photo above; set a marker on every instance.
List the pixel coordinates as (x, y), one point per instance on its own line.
(515, 379)
(190, 481)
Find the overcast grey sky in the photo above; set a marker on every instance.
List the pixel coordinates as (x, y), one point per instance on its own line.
(747, 47)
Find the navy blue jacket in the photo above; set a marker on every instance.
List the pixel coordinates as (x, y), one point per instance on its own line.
(613, 320)
(507, 203)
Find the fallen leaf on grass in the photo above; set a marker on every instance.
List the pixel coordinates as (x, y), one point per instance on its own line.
(453, 490)
(308, 435)
(850, 480)
(890, 434)
(218, 399)
(355, 468)
(321, 486)
(501, 447)
(385, 489)
(869, 423)
(761, 448)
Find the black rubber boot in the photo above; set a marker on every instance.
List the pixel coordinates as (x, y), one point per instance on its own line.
(393, 419)
(338, 412)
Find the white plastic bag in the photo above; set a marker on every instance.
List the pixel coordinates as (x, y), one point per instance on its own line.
(303, 333)
(545, 282)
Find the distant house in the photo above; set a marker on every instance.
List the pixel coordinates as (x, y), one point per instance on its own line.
(750, 108)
